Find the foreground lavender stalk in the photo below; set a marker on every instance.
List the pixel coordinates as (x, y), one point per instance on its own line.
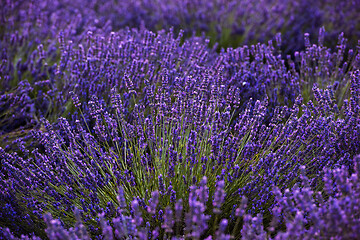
(335, 218)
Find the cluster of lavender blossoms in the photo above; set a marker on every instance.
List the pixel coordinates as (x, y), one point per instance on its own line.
(307, 214)
(119, 120)
(130, 60)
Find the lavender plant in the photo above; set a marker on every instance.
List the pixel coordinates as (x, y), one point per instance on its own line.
(168, 151)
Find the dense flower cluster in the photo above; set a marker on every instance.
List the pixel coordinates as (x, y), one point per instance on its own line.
(112, 132)
(133, 60)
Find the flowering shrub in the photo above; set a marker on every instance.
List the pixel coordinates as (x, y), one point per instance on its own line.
(112, 132)
(167, 145)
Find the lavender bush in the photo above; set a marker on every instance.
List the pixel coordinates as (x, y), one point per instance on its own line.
(136, 120)
(167, 145)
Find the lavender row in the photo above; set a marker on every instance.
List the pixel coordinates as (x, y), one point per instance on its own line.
(200, 143)
(230, 23)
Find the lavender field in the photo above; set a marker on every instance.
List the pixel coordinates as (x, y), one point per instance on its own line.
(170, 119)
